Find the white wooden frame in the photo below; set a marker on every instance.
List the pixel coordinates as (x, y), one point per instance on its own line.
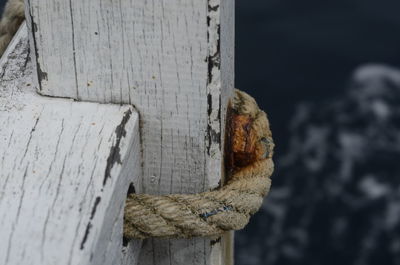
(173, 61)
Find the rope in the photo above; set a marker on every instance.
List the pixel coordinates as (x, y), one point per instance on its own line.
(248, 160)
(11, 20)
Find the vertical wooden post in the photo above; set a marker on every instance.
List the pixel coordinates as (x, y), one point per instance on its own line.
(173, 60)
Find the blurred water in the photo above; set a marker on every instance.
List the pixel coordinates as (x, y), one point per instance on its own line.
(288, 51)
(335, 193)
(338, 197)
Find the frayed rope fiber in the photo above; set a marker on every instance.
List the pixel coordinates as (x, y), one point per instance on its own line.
(249, 149)
(248, 161)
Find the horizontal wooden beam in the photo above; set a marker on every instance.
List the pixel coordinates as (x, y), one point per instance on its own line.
(66, 168)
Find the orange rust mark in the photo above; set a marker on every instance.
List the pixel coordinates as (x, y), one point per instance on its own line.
(241, 141)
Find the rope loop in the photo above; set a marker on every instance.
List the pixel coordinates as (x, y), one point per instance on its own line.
(249, 165)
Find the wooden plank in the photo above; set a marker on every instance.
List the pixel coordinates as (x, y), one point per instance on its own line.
(173, 60)
(65, 171)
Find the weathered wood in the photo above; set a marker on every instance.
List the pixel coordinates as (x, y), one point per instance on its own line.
(65, 169)
(173, 60)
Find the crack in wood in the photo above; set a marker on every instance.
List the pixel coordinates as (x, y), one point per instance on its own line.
(85, 237)
(73, 48)
(30, 138)
(96, 203)
(40, 74)
(18, 213)
(89, 225)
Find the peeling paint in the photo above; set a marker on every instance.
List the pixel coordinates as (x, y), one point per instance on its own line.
(115, 156)
(213, 242)
(213, 136)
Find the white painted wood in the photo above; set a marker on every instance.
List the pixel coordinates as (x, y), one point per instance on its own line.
(173, 60)
(65, 169)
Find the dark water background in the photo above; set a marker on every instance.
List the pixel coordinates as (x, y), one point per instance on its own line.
(289, 51)
(335, 196)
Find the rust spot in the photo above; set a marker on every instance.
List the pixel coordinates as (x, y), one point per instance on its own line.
(241, 145)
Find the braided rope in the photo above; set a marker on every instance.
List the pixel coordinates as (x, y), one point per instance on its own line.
(249, 163)
(12, 18)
